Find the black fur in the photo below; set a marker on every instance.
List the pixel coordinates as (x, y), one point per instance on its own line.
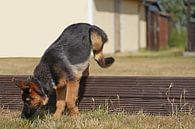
(71, 48)
(64, 61)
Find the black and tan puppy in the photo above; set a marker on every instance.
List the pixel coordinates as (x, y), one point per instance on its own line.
(61, 67)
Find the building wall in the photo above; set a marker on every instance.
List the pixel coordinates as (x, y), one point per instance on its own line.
(132, 24)
(142, 22)
(103, 16)
(27, 28)
(129, 25)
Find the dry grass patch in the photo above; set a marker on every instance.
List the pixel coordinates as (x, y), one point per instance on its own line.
(124, 65)
(98, 119)
(101, 119)
(167, 66)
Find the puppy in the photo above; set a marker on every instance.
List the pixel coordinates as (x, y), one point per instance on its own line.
(61, 68)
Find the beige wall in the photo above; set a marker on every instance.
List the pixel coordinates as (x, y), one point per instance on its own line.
(103, 17)
(142, 23)
(129, 26)
(133, 26)
(28, 27)
(132, 23)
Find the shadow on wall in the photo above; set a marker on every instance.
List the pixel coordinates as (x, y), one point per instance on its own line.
(124, 6)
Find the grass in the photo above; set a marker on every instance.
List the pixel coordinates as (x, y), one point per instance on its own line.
(166, 66)
(98, 119)
(166, 63)
(178, 38)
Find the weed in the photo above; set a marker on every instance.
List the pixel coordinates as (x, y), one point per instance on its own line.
(183, 107)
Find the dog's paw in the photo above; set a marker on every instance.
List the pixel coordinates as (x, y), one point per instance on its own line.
(57, 115)
(74, 112)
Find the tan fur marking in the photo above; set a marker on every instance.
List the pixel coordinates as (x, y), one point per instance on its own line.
(60, 104)
(96, 41)
(98, 56)
(45, 100)
(71, 96)
(37, 99)
(61, 83)
(97, 46)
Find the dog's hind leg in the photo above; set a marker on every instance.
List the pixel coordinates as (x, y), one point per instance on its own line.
(71, 96)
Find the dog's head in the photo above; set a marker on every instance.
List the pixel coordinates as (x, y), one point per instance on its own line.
(33, 96)
(98, 39)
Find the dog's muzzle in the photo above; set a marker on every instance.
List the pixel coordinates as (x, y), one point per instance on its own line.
(105, 62)
(28, 111)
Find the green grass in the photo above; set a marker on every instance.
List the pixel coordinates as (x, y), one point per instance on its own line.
(178, 38)
(98, 119)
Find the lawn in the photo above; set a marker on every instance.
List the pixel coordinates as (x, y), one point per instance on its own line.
(145, 63)
(98, 119)
(155, 64)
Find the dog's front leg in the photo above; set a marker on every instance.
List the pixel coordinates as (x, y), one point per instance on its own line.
(60, 104)
(71, 96)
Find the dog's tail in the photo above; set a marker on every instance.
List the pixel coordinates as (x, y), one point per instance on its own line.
(98, 39)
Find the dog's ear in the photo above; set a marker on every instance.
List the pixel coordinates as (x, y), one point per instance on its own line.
(98, 37)
(99, 33)
(22, 84)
